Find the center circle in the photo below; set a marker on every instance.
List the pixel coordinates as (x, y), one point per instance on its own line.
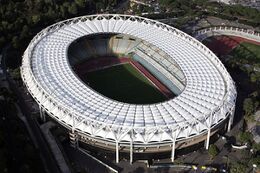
(125, 68)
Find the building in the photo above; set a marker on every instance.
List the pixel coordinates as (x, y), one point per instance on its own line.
(223, 1)
(204, 104)
(246, 3)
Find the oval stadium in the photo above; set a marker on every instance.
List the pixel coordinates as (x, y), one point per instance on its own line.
(128, 84)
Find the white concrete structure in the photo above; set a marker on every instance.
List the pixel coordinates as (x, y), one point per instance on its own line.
(207, 100)
(227, 30)
(222, 1)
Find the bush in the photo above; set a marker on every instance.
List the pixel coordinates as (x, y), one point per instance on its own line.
(256, 147)
(238, 168)
(248, 106)
(16, 74)
(35, 19)
(245, 137)
(255, 160)
(213, 150)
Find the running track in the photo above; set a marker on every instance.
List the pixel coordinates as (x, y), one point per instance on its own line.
(222, 45)
(162, 88)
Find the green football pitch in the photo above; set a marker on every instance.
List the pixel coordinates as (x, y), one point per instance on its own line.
(247, 51)
(124, 83)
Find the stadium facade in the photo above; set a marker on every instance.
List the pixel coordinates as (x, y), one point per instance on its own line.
(205, 91)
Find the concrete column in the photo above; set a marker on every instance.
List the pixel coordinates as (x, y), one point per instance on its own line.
(131, 152)
(208, 136)
(73, 124)
(173, 150)
(40, 109)
(73, 139)
(174, 134)
(131, 147)
(231, 118)
(117, 152)
(42, 114)
(207, 141)
(77, 141)
(229, 124)
(73, 135)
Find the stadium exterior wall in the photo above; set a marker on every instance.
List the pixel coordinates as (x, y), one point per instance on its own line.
(227, 30)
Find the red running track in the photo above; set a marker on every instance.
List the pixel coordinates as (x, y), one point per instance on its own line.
(101, 63)
(162, 88)
(222, 45)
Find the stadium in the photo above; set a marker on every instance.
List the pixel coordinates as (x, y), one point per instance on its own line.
(128, 84)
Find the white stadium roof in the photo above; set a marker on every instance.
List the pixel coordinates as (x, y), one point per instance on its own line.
(208, 97)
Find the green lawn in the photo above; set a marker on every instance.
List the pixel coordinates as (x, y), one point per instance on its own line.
(124, 83)
(248, 52)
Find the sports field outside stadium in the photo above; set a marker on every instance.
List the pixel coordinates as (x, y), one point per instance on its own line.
(123, 82)
(235, 46)
(248, 51)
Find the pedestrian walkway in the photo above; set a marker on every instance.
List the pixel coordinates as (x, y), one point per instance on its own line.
(45, 128)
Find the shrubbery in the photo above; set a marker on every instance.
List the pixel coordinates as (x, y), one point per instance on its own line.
(213, 151)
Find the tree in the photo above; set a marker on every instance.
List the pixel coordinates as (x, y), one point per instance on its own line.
(4, 24)
(256, 147)
(2, 41)
(16, 74)
(64, 10)
(73, 9)
(248, 106)
(100, 6)
(254, 77)
(81, 3)
(238, 167)
(4, 160)
(36, 19)
(15, 42)
(25, 32)
(245, 137)
(213, 151)
(255, 160)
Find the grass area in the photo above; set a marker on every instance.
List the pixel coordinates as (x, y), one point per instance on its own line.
(124, 83)
(247, 51)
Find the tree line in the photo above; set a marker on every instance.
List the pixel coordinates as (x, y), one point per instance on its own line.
(198, 8)
(20, 20)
